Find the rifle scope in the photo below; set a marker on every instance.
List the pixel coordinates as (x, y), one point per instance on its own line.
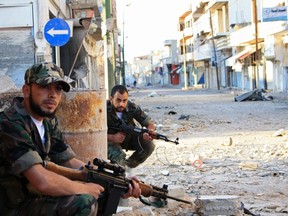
(116, 168)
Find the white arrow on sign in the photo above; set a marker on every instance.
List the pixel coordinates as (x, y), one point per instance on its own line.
(53, 32)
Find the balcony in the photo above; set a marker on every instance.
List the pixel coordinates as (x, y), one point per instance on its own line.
(169, 42)
(199, 8)
(188, 31)
(246, 36)
(189, 57)
(83, 4)
(202, 25)
(223, 43)
(202, 52)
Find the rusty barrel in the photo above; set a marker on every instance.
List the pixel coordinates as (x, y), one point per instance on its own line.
(82, 119)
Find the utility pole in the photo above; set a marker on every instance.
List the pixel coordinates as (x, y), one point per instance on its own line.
(109, 63)
(123, 75)
(257, 59)
(123, 54)
(184, 55)
(152, 53)
(214, 51)
(256, 76)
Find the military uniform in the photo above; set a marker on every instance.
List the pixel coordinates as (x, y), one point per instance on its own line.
(21, 147)
(142, 148)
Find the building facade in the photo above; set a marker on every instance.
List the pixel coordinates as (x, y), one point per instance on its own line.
(23, 40)
(234, 44)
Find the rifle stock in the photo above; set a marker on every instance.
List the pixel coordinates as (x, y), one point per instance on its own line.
(72, 174)
(112, 177)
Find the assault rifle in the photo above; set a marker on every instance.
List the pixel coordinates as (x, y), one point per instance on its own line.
(140, 131)
(111, 176)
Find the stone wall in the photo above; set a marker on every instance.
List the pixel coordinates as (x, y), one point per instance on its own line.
(7, 98)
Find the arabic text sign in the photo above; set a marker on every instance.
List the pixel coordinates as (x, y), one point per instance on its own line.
(275, 14)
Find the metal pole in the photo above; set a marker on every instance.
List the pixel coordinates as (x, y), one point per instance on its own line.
(214, 51)
(184, 60)
(79, 49)
(123, 54)
(152, 67)
(256, 77)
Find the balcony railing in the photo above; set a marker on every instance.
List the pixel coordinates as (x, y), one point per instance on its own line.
(202, 52)
(202, 24)
(189, 57)
(223, 43)
(188, 31)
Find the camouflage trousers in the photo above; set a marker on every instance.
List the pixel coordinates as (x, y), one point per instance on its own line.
(142, 150)
(74, 205)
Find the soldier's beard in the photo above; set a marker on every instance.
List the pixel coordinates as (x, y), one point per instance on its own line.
(37, 109)
(120, 109)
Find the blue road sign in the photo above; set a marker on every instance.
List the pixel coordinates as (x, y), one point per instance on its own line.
(57, 32)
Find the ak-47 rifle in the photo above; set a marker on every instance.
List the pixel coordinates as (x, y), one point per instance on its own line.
(111, 176)
(140, 131)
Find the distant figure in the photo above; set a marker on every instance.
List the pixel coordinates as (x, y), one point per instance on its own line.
(134, 83)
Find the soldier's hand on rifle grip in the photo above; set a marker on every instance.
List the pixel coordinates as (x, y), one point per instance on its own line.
(147, 137)
(119, 137)
(94, 189)
(134, 189)
(153, 134)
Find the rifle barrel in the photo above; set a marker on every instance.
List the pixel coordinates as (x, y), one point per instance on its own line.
(178, 199)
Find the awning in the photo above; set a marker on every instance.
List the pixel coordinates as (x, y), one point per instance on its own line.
(252, 50)
(180, 70)
(241, 55)
(175, 69)
(231, 61)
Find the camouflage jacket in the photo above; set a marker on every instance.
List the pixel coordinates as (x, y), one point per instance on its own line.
(21, 147)
(130, 114)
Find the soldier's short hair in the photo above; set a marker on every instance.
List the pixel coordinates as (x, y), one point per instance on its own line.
(118, 88)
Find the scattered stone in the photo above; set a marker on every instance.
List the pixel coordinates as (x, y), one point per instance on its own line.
(172, 113)
(165, 172)
(249, 165)
(229, 143)
(152, 94)
(159, 126)
(143, 211)
(280, 132)
(184, 117)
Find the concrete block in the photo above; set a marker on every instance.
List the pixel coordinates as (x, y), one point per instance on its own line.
(176, 191)
(218, 205)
